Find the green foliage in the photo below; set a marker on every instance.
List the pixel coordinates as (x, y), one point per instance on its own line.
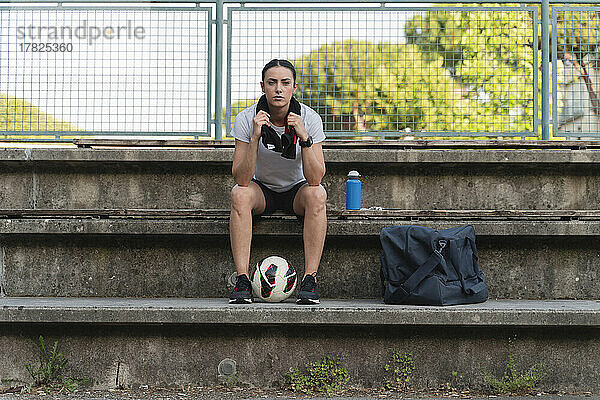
(361, 86)
(386, 87)
(578, 34)
(49, 371)
(513, 380)
(491, 54)
(460, 71)
(65, 384)
(326, 376)
(401, 368)
(52, 362)
(19, 115)
(236, 107)
(452, 384)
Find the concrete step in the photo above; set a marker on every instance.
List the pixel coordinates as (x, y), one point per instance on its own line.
(336, 312)
(394, 176)
(532, 255)
(497, 223)
(132, 342)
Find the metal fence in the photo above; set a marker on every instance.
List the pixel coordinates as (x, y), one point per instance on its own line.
(105, 70)
(575, 42)
(385, 71)
(369, 69)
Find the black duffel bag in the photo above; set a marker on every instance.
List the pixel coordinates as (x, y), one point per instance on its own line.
(423, 266)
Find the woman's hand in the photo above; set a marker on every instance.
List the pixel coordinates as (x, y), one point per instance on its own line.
(295, 121)
(260, 119)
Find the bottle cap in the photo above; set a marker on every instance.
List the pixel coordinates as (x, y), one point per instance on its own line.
(353, 174)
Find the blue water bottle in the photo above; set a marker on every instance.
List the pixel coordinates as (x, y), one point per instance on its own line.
(353, 191)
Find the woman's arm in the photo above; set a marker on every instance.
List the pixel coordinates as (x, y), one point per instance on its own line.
(313, 163)
(244, 155)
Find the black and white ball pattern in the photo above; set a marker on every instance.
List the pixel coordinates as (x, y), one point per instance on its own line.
(274, 279)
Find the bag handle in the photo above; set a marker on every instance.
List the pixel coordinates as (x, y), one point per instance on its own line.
(383, 273)
(421, 273)
(481, 285)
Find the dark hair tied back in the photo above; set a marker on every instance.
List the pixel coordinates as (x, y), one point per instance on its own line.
(279, 63)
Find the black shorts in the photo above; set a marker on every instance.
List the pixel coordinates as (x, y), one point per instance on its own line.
(279, 201)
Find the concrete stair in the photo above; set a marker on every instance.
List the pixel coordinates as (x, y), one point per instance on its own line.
(176, 341)
(166, 253)
(122, 254)
(363, 312)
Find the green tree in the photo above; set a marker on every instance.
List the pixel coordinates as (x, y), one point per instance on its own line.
(21, 116)
(492, 52)
(461, 70)
(360, 86)
(236, 107)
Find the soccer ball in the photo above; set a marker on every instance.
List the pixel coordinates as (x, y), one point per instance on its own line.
(274, 279)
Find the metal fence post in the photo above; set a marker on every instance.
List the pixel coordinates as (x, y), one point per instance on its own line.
(545, 70)
(219, 73)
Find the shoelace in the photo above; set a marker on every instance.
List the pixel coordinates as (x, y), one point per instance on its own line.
(308, 284)
(242, 285)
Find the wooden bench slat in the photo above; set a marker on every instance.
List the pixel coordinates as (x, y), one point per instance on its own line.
(355, 144)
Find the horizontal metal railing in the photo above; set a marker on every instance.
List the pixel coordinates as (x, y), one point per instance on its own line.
(382, 69)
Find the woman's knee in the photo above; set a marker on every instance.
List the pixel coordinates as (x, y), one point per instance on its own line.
(241, 198)
(316, 197)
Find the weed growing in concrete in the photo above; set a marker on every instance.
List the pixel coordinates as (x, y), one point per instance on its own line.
(401, 369)
(513, 380)
(51, 365)
(48, 373)
(326, 376)
(452, 384)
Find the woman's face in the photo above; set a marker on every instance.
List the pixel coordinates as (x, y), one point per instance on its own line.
(278, 86)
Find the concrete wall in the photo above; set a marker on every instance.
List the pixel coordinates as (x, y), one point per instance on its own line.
(533, 261)
(159, 356)
(179, 258)
(199, 266)
(392, 178)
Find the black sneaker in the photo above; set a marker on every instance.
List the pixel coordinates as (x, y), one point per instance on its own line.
(242, 294)
(309, 292)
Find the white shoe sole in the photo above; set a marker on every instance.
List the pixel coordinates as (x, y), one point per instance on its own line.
(240, 301)
(308, 301)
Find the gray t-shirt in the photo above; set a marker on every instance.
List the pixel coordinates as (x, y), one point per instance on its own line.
(277, 173)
